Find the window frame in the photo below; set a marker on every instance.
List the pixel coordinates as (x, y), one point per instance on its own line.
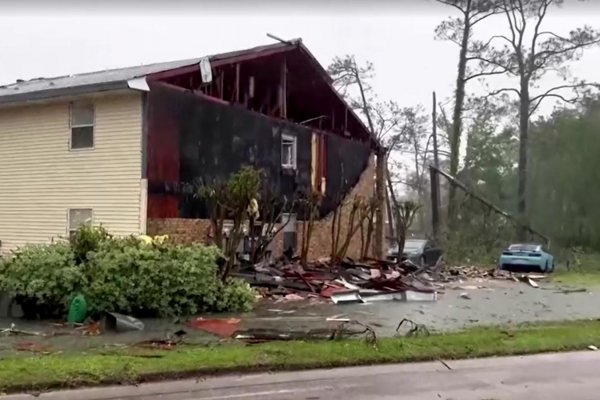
(72, 106)
(69, 230)
(293, 140)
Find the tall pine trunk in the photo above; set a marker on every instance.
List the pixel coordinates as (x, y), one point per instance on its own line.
(380, 169)
(523, 149)
(457, 120)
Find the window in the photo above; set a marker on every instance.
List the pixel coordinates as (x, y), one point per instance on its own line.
(288, 151)
(82, 126)
(78, 217)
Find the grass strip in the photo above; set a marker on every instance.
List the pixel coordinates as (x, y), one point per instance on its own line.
(45, 372)
(577, 278)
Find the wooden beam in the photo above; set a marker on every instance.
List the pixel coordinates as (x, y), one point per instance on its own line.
(332, 120)
(283, 89)
(345, 119)
(237, 83)
(221, 84)
(251, 88)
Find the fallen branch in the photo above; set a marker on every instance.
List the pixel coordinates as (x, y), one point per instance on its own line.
(414, 328)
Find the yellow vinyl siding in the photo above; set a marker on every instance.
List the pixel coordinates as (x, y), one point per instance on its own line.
(41, 178)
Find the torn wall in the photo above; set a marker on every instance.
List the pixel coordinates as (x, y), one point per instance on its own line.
(193, 139)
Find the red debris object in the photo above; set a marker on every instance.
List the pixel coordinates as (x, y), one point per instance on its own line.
(33, 347)
(220, 327)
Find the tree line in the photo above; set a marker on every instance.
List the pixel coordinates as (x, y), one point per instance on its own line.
(540, 168)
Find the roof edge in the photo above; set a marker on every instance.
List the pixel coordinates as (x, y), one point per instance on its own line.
(70, 91)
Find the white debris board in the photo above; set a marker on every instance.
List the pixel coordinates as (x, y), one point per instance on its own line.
(205, 70)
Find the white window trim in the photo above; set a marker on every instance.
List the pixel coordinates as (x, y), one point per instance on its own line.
(294, 141)
(71, 126)
(69, 218)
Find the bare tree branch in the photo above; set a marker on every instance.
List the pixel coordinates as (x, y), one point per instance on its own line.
(484, 16)
(486, 73)
(503, 90)
(453, 4)
(537, 100)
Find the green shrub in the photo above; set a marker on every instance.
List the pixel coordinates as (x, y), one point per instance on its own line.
(42, 278)
(159, 280)
(122, 275)
(86, 239)
(236, 295)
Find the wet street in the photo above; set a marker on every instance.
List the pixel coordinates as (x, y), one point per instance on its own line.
(459, 305)
(549, 376)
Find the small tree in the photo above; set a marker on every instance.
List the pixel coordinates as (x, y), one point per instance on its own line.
(271, 222)
(309, 206)
(404, 212)
(353, 223)
(235, 201)
(367, 214)
(381, 118)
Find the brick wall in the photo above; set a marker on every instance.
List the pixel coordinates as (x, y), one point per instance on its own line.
(180, 230)
(320, 244)
(184, 231)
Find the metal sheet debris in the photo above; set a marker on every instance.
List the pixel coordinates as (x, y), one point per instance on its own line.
(348, 281)
(121, 323)
(349, 296)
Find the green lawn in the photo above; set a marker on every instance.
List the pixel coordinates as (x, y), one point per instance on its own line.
(584, 271)
(69, 370)
(577, 278)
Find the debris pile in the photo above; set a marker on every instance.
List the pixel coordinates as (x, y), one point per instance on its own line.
(346, 281)
(349, 281)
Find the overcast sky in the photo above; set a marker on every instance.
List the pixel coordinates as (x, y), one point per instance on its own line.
(53, 38)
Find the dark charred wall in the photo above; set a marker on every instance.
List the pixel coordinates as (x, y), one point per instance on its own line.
(162, 155)
(346, 161)
(192, 139)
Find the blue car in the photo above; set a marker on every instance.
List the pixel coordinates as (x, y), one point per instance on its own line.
(526, 258)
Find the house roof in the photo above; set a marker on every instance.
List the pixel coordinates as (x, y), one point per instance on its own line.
(112, 79)
(120, 78)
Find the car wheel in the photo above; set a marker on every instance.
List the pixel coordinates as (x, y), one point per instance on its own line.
(546, 269)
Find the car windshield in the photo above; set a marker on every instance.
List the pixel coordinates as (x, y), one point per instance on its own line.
(414, 245)
(524, 247)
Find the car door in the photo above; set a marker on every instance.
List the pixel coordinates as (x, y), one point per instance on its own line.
(431, 253)
(547, 256)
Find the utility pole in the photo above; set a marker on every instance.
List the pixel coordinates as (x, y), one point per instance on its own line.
(435, 178)
(436, 160)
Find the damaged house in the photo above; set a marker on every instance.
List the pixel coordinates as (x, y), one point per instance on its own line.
(116, 147)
